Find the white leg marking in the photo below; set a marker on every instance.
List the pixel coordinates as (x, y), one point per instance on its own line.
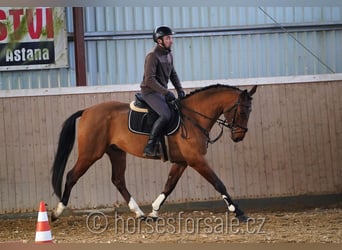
(156, 204)
(231, 207)
(59, 210)
(153, 214)
(133, 206)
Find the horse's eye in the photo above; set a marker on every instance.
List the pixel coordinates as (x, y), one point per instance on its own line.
(244, 112)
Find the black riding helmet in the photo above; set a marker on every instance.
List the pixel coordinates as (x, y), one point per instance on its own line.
(161, 31)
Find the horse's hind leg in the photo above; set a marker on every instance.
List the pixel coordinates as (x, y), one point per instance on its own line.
(79, 169)
(204, 170)
(118, 160)
(173, 177)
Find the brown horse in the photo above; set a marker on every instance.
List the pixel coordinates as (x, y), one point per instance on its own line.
(103, 128)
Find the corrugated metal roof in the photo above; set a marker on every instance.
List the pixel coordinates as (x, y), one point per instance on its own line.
(145, 18)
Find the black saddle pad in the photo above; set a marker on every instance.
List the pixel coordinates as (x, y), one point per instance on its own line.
(141, 117)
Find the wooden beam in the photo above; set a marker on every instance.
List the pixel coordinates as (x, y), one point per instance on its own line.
(81, 78)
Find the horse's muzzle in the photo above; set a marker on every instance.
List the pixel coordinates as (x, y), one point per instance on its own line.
(237, 139)
(238, 136)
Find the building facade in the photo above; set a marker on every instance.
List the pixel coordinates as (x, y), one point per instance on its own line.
(211, 43)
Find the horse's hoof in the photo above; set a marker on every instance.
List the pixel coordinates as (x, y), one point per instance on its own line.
(142, 217)
(53, 217)
(151, 219)
(242, 218)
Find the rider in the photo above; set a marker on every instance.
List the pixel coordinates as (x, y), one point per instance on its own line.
(158, 70)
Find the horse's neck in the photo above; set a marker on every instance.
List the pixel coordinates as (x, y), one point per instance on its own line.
(210, 105)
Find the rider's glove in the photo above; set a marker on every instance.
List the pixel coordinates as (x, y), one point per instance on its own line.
(170, 96)
(181, 94)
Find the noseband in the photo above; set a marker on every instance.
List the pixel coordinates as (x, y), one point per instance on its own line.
(232, 125)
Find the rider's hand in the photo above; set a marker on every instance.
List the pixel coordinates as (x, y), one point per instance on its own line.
(181, 94)
(170, 96)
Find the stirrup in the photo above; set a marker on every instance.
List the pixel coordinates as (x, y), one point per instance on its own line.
(154, 154)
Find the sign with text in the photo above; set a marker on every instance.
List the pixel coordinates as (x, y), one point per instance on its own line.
(32, 38)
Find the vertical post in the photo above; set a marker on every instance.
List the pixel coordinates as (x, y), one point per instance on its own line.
(81, 79)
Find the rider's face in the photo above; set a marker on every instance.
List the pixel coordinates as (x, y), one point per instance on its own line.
(167, 41)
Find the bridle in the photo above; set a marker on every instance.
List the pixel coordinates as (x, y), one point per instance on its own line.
(232, 125)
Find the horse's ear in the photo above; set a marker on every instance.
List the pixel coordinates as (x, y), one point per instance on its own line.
(244, 94)
(252, 91)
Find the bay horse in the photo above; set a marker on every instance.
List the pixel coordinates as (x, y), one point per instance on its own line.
(103, 128)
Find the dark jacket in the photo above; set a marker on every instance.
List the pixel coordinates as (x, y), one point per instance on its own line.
(158, 71)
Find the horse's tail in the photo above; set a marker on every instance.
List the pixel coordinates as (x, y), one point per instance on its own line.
(65, 145)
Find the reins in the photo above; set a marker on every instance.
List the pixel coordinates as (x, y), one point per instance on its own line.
(222, 123)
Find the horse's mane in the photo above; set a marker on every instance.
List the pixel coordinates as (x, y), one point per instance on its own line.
(211, 87)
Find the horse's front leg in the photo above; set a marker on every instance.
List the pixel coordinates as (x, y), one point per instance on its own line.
(173, 177)
(203, 168)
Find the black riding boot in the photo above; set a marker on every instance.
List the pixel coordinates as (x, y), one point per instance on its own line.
(151, 149)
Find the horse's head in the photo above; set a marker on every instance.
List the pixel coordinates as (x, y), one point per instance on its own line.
(237, 116)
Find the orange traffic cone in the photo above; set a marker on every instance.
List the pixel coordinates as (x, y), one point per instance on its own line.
(43, 231)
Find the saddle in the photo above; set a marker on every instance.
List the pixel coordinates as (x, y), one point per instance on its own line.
(141, 118)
